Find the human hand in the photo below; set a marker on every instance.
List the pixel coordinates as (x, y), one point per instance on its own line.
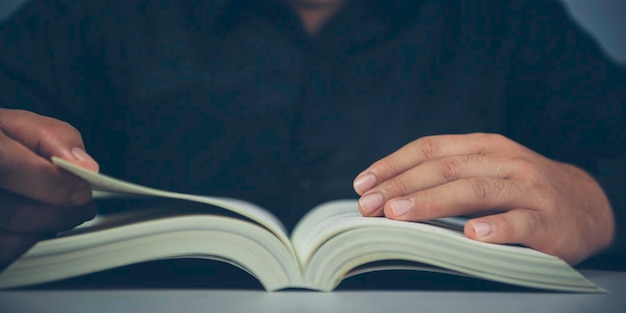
(24, 221)
(521, 197)
(36, 197)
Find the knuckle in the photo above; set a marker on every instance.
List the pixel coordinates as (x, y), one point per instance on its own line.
(529, 223)
(532, 224)
(522, 226)
(526, 170)
(495, 137)
(473, 158)
(483, 190)
(522, 165)
(385, 167)
(452, 168)
(17, 114)
(61, 129)
(394, 188)
(502, 142)
(19, 117)
(428, 147)
(448, 169)
(507, 229)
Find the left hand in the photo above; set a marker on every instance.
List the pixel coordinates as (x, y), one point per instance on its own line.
(24, 221)
(521, 197)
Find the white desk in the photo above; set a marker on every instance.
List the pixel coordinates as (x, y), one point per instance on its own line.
(301, 301)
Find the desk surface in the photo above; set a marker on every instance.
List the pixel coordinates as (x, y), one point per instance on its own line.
(179, 300)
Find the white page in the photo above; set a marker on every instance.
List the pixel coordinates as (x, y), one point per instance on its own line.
(101, 182)
(333, 218)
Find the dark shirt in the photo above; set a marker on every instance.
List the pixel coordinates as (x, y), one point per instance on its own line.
(233, 98)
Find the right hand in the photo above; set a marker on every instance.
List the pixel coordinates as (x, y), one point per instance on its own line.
(38, 199)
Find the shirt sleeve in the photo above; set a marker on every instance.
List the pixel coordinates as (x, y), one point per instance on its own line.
(568, 99)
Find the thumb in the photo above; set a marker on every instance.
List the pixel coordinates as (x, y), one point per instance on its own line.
(532, 229)
(517, 226)
(46, 136)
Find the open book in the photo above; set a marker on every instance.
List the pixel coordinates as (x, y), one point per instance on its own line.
(332, 242)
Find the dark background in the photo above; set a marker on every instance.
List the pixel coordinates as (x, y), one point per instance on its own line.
(605, 19)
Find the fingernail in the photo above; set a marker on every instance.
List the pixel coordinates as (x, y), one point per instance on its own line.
(81, 155)
(371, 202)
(482, 229)
(401, 207)
(81, 196)
(364, 183)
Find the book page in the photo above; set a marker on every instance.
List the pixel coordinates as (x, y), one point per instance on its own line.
(323, 222)
(103, 183)
(335, 217)
(236, 241)
(334, 240)
(330, 219)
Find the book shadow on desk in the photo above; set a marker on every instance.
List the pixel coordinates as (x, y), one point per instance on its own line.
(208, 274)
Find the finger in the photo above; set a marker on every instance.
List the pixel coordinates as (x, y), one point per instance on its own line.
(46, 136)
(474, 195)
(25, 173)
(13, 245)
(25, 138)
(522, 226)
(424, 149)
(434, 173)
(21, 215)
(518, 226)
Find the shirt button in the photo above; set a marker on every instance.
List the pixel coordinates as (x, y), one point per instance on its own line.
(305, 183)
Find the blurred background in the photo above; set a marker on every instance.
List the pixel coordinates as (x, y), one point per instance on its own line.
(605, 19)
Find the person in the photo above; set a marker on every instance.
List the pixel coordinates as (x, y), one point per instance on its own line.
(504, 111)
